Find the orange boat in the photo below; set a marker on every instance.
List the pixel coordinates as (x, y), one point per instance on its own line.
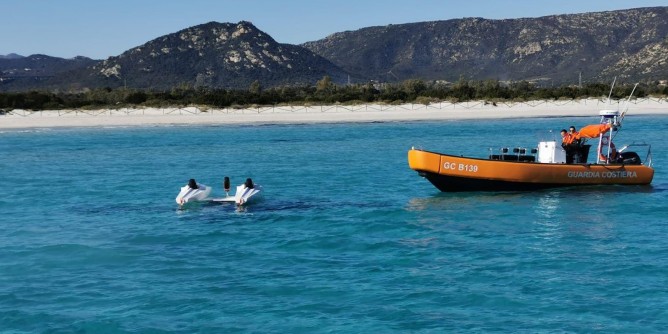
(548, 165)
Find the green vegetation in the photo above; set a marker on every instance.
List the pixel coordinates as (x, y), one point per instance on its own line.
(325, 92)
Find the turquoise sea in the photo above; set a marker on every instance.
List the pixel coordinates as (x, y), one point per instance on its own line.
(347, 239)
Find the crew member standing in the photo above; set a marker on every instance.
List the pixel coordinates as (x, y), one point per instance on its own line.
(575, 136)
(567, 144)
(576, 145)
(566, 138)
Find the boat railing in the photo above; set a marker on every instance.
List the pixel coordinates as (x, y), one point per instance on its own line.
(629, 155)
(520, 154)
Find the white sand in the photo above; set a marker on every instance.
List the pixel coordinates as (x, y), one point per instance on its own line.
(22, 119)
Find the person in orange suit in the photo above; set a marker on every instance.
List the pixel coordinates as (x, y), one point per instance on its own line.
(567, 144)
(575, 136)
(566, 138)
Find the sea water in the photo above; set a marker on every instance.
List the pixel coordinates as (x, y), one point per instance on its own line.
(347, 238)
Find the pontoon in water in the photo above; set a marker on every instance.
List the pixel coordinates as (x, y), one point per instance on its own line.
(197, 192)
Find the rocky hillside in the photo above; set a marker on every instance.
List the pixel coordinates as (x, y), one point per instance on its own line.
(216, 55)
(631, 44)
(32, 71)
(220, 55)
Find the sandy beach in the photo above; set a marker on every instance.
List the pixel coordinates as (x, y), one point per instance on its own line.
(23, 119)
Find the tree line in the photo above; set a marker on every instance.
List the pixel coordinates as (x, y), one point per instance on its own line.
(323, 93)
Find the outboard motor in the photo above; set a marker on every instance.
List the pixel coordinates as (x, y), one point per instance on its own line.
(246, 191)
(629, 158)
(192, 192)
(226, 184)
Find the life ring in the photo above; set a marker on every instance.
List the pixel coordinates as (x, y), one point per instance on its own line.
(613, 150)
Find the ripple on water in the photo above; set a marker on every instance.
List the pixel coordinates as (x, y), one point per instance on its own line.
(347, 239)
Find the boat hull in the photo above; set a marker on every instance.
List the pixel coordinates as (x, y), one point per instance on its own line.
(451, 173)
(188, 195)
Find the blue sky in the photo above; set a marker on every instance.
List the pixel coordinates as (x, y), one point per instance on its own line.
(100, 29)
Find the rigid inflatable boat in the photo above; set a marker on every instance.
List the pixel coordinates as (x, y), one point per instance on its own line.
(547, 165)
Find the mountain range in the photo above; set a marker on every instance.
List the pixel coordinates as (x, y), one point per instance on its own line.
(629, 44)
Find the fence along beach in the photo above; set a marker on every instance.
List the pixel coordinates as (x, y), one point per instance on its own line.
(194, 115)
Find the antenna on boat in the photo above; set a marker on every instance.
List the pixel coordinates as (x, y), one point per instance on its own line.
(626, 104)
(611, 88)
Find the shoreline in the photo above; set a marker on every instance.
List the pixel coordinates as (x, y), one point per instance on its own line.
(22, 119)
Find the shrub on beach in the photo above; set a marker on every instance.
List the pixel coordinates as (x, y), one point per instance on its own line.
(323, 93)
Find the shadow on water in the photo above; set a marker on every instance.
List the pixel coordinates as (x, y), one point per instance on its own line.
(277, 205)
(418, 203)
(620, 189)
(548, 216)
(259, 206)
(556, 203)
(461, 200)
